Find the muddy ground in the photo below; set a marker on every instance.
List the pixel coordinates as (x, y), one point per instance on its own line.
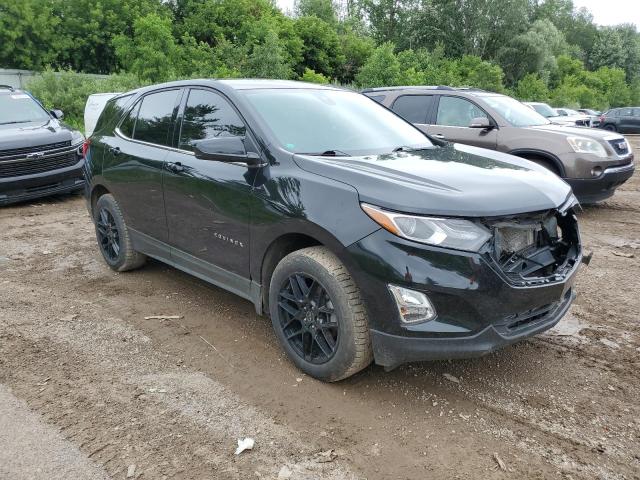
(90, 389)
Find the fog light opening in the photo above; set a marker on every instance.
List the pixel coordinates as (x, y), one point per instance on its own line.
(413, 306)
(596, 171)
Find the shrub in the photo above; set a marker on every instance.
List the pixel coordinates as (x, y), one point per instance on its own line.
(313, 77)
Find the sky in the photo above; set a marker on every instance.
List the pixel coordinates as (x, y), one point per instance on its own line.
(605, 12)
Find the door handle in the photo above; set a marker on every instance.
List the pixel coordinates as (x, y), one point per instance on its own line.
(114, 150)
(176, 167)
(439, 135)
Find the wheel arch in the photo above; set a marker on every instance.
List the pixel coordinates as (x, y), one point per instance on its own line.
(530, 153)
(96, 192)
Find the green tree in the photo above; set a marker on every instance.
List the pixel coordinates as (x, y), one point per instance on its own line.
(268, 60)
(381, 69)
(313, 77)
(531, 88)
(323, 9)
(152, 52)
(27, 34)
(321, 49)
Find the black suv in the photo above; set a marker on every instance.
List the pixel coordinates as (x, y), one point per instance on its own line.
(39, 155)
(623, 120)
(360, 237)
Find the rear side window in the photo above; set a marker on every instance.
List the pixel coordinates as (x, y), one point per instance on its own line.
(208, 115)
(129, 122)
(636, 112)
(625, 112)
(112, 111)
(155, 117)
(377, 98)
(413, 108)
(457, 112)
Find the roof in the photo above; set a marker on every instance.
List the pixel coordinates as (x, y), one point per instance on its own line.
(256, 83)
(423, 87)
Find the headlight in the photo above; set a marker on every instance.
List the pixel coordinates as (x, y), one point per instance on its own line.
(443, 232)
(587, 145)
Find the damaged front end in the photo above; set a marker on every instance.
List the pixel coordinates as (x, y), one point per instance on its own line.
(538, 248)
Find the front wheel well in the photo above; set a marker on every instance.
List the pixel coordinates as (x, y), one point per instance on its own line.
(280, 248)
(546, 161)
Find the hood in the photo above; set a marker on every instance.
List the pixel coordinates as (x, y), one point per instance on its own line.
(455, 180)
(33, 134)
(567, 131)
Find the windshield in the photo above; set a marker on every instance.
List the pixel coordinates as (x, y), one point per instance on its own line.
(515, 112)
(317, 121)
(572, 112)
(20, 108)
(544, 110)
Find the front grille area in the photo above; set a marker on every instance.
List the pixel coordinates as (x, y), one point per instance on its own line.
(15, 168)
(620, 146)
(535, 249)
(21, 152)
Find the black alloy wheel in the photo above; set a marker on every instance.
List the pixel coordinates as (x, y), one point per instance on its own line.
(308, 319)
(108, 235)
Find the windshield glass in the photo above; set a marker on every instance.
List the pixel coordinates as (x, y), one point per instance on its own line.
(317, 121)
(571, 112)
(544, 110)
(515, 112)
(20, 108)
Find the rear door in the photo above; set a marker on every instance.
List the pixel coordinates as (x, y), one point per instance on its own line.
(626, 122)
(414, 108)
(635, 123)
(453, 115)
(134, 159)
(208, 200)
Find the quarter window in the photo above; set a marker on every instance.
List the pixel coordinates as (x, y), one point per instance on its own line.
(457, 112)
(413, 108)
(155, 117)
(129, 122)
(208, 115)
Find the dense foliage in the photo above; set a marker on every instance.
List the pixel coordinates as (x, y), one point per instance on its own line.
(543, 50)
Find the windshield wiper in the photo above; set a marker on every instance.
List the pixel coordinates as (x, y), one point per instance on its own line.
(404, 148)
(327, 153)
(15, 121)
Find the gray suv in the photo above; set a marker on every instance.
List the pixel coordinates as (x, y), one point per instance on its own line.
(593, 162)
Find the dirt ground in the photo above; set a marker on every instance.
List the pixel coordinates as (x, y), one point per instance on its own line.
(87, 383)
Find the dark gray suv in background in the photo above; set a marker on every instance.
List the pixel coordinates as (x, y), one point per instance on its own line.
(593, 162)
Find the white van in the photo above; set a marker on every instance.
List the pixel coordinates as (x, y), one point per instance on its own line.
(93, 109)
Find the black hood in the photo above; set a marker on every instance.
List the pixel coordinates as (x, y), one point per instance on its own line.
(454, 180)
(33, 134)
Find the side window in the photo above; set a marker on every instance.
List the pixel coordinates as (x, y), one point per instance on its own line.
(129, 122)
(155, 116)
(625, 112)
(208, 115)
(112, 111)
(636, 112)
(413, 108)
(457, 112)
(377, 98)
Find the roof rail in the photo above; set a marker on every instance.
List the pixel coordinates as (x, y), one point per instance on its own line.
(8, 87)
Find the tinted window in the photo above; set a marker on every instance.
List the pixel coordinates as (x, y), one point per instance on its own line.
(154, 117)
(625, 112)
(457, 112)
(112, 111)
(377, 98)
(208, 115)
(129, 122)
(307, 120)
(413, 108)
(636, 112)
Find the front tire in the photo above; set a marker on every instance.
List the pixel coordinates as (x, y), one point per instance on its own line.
(113, 236)
(318, 315)
(611, 128)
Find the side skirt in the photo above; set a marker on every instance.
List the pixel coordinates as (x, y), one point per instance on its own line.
(234, 283)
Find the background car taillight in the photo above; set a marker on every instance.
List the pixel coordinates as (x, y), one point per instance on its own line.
(601, 118)
(85, 147)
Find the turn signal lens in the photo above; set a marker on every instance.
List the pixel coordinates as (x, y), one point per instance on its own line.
(413, 306)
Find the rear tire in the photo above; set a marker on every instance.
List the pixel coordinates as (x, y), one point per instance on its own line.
(113, 236)
(318, 315)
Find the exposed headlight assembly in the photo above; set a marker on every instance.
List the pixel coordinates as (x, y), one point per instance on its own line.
(443, 232)
(587, 145)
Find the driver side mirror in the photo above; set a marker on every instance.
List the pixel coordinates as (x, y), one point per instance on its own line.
(480, 122)
(57, 114)
(226, 149)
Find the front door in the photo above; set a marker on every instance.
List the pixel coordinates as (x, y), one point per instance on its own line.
(207, 201)
(453, 117)
(134, 159)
